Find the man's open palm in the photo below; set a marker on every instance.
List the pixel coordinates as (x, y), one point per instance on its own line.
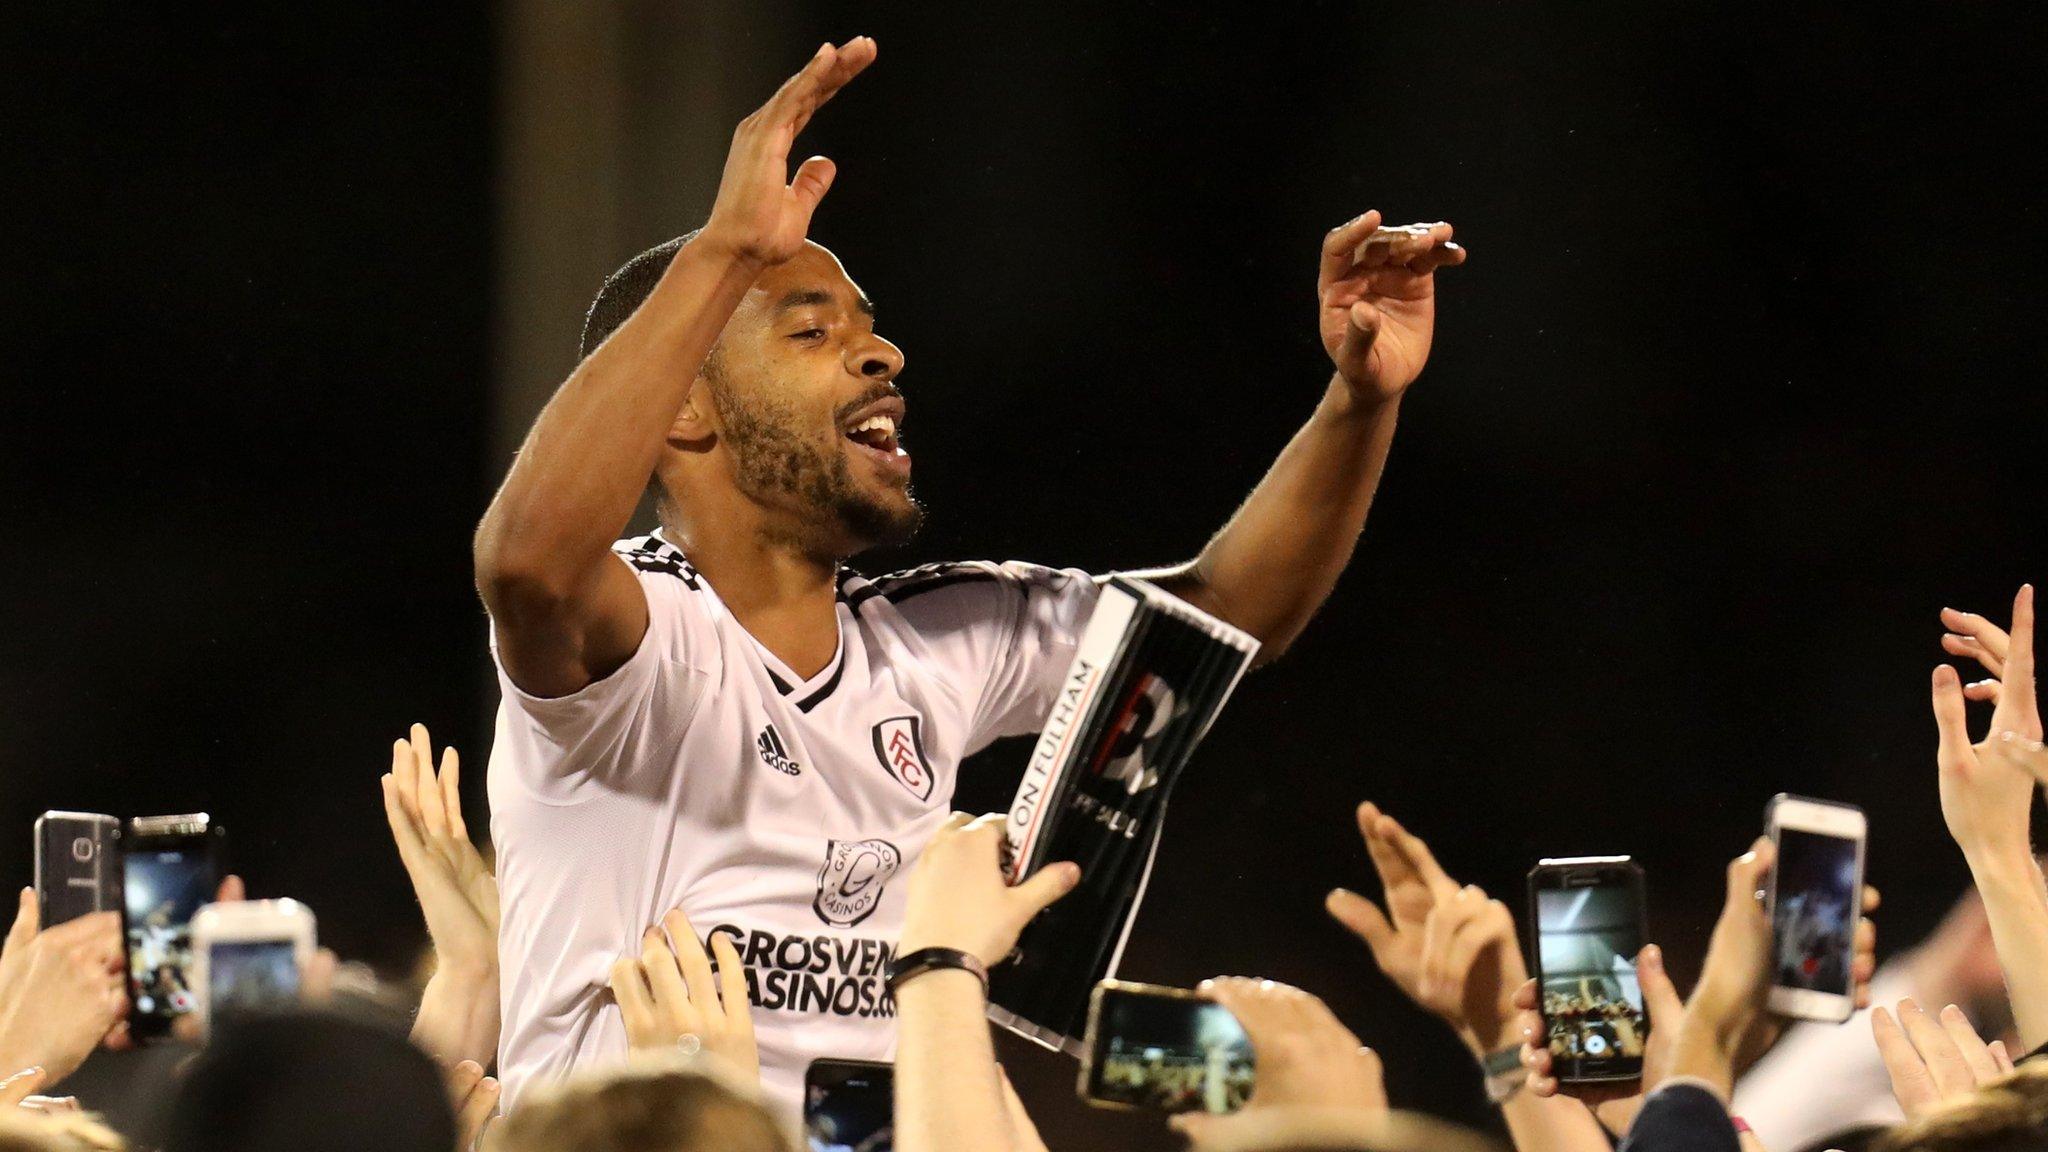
(762, 214)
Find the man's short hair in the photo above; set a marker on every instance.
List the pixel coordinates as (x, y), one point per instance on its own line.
(670, 1106)
(2009, 1115)
(625, 290)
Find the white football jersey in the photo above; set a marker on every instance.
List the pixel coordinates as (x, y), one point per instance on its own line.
(705, 775)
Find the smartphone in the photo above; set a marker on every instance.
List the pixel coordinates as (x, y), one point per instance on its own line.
(172, 865)
(1588, 913)
(249, 957)
(78, 865)
(1815, 898)
(849, 1106)
(1164, 1049)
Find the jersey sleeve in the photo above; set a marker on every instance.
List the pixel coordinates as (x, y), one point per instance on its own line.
(600, 731)
(1007, 631)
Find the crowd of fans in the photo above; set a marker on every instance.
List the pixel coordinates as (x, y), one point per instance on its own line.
(1963, 1017)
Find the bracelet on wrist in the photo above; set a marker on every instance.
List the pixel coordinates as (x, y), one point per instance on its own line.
(1505, 1074)
(910, 966)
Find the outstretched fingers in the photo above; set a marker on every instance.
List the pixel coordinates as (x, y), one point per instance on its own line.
(1951, 719)
(1418, 857)
(691, 960)
(1911, 1083)
(1362, 918)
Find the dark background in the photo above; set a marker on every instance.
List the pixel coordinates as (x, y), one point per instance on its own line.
(1740, 385)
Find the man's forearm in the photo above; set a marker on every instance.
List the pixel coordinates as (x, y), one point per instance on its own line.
(581, 472)
(1277, 559)
(948, 1092)
(2016, 904)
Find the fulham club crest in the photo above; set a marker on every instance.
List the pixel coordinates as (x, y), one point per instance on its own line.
(899, 745)
(851, 882)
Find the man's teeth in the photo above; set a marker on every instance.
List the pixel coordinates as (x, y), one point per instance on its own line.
(885, 425)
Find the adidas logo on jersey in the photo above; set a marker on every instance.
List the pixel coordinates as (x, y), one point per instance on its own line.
(774, 754)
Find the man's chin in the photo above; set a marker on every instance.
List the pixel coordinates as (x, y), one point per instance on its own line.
(884, 520)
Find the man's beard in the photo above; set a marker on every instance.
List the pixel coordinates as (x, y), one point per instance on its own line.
(774, 456)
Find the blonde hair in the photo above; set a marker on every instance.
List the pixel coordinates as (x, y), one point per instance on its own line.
(2002, 1116)
(667, 1106)
(22, 1131)
(1315, 1129)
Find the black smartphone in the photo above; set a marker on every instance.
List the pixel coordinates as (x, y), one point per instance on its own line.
(1165, 1049)
(78, 865)
(172, 866)
(1588, 913)
(849, 1106)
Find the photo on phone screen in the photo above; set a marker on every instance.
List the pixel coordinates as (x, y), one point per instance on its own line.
(849, 1106)
(1814, 920)
(1588, 937)
(1166, 1051)
(164, 887)
(251, 975)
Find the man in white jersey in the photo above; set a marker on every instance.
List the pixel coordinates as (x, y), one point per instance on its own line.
(718, 717)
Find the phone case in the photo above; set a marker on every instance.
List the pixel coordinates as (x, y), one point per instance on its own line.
(77, 865)
(1569, 866)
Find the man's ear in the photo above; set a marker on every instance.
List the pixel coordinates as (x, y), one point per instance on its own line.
(696, 423)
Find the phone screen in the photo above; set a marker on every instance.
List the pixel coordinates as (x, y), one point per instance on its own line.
(250, 975)
(1169, 1054)
(849, 1106)
(164, 888)
(1587, 939)
(1814, 920)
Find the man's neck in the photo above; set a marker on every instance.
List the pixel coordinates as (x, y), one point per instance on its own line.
(784, 596)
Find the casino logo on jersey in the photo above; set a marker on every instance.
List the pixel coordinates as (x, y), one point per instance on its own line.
(850, 884)
(899, 745)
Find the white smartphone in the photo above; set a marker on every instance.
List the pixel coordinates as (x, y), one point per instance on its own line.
(249, 956)
(1815, 899)
(1164, 1049)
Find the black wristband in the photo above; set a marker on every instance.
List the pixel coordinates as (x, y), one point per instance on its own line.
(931, 960)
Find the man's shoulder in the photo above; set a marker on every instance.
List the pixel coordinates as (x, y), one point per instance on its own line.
(650, 553)
(995, 581)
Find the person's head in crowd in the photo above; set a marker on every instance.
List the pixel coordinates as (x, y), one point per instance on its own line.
(2008, 1115)
(669, 1106)
(306, 1081)
(1322, 1129)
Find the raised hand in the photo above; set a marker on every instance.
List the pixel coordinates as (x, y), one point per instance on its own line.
(66, 987)
(457, 892)
(958, 898)
(2009, 659)
(670, 999)
(1932, 1062)
(1376, 295)
(1450, 949)
(458, 1014)
(1986, 797)
(1615, 1104)
(761, 214)
(1307, 1057)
